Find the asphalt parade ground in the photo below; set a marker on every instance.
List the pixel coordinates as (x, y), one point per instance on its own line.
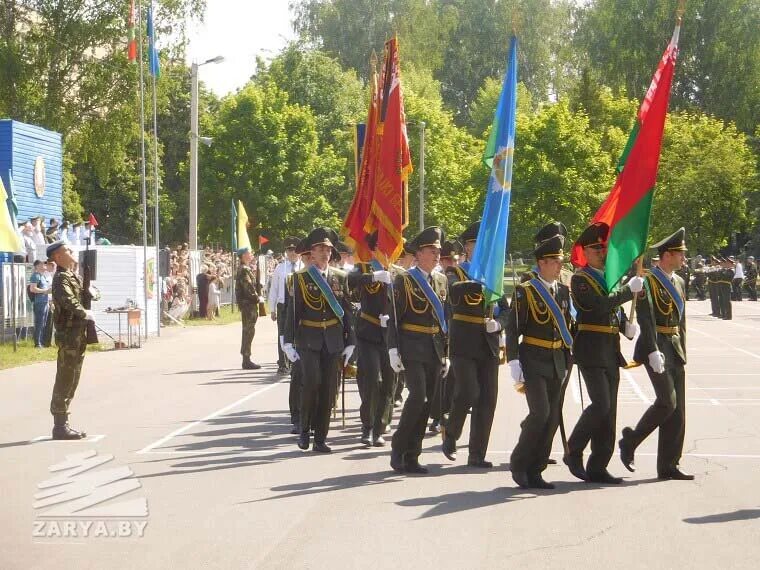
(189, 463)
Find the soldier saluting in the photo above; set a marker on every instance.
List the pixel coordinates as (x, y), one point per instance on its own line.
(418, 344)
(247, 293)
(596, 349)
(70, 336)
(540, 313)
(662, 349)
(319, 324)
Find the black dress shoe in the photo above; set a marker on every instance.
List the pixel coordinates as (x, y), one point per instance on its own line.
(551, 461)
(537, 482)
(676, 474)
(249, 365)
(366, 439)
(378, 441)
(603, 477)
(481, 463)
(413, 466)
(303, 441)
(321, 447)
(435, 426)
(449, 448)
(521, 478)
(397, 461)
(627, 449)
(575, 465)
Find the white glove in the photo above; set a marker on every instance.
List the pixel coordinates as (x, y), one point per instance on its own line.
(657, 361)
(347, 352)
(89, 315)
(636, 284)
(631, 330)
(492, 325)
(384, 321)
(515, 371)
(262, 300)
(395, 359)
(290, 352)
(446, 367)
(381, 277)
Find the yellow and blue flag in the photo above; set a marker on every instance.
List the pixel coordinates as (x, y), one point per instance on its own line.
(10, 241)
(487, 264)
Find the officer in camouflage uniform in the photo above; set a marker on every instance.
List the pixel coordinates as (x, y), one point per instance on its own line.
(247, 293)
(70, 336)
(662, 348)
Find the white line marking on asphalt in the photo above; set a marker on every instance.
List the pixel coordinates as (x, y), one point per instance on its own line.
(720, 340)
(89, 439)
(636, 388)
(726, 388)
(714, 402)
(211, 416)
(722, 374)
(703, 455)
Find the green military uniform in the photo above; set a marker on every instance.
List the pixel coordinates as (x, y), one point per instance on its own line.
(247, 293)
(71, 338)
(723, 283)
(544, 355)
(661, 315)
(750, 278)
(474, 356)
(319, 332)
(374, 377)
(713, 274)
(596, 348)
(700, 280)
(419, 335)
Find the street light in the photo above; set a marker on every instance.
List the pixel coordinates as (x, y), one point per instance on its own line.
(194, 148)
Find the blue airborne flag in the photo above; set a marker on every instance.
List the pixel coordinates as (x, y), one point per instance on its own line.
(488, 258)
(153, 65)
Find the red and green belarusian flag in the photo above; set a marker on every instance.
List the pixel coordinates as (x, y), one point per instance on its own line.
(131, 37)
(626, 210)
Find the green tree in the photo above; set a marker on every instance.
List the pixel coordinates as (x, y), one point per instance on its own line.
(707, 172)
(266, 153)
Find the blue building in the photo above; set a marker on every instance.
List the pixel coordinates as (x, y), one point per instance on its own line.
(33, 157)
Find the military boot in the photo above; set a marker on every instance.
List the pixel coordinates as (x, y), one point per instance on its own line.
(62, 430)
(248, 364)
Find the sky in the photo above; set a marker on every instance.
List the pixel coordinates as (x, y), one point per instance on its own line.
(239, 30)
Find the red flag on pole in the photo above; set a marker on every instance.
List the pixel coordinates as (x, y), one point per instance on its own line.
(263, 240)
(353, 226)
(93, 221)
(131, 38)
(390, 209)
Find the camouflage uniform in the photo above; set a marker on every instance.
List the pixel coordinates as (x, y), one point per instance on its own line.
(247, 294)
(71, 338)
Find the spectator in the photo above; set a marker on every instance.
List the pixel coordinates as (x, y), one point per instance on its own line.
(30, 246)
(39, 292)
(214, 296)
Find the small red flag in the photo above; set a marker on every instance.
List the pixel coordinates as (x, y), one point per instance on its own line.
(263, 240)
(93, 221)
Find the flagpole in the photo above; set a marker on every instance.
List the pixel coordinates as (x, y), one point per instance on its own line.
(159, 296)
(142, 164)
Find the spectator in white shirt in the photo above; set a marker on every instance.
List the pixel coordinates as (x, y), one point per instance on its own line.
(736, 283)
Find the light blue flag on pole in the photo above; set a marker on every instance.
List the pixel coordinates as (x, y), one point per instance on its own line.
(153, 63)
(487, 265)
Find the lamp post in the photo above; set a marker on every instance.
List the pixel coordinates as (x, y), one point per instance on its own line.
(194, 149)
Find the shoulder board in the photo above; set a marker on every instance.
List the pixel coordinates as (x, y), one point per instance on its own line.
(301, 271)
(338, 272)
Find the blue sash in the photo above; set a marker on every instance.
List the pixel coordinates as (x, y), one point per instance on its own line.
(416, 274)
(597, 277)
(663, 279)
(326, 291)
(557, 316)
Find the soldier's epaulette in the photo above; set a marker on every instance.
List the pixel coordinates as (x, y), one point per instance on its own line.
(338, 272)
(302, 271)
(396, 270)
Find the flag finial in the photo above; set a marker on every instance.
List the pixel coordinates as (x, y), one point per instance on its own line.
(516, 21)
(680, 10)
